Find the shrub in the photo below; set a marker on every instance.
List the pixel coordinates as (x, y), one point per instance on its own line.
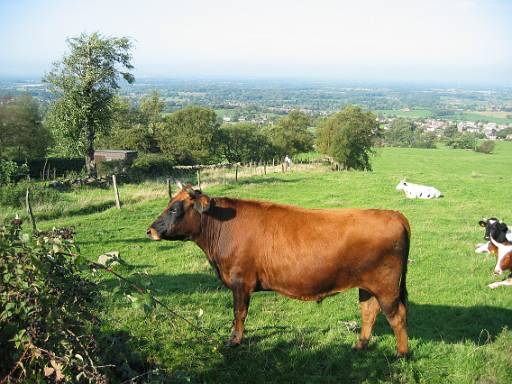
(486, 147)
(462, 141)
(45, 309)
(13, 195)
(49, 329)
(151, 165)
(113, 167)
(403, 133)
(10, 172)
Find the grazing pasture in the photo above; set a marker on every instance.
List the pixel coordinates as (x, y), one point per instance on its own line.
(460, 331)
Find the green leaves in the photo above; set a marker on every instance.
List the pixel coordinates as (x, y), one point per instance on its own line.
(348, 137)
(290, 135)
(44, 300)
(189, 135)
(22, 136)
(86, 81)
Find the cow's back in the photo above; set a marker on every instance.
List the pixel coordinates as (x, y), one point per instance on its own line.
(309, 253)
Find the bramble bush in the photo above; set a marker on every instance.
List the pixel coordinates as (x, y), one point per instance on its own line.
(49, 328)
(46, 307)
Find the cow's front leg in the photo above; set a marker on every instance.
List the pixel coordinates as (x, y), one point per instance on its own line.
(241, 298)
(500, 283)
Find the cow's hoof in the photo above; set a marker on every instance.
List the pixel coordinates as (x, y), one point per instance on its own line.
(402, 355)
(234, 340)
(361, 344)
(493, 286)
(232, 343)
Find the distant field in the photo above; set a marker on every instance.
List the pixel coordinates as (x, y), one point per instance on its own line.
(460, 331)
(490, 117)
(484, 116)
(413, 114)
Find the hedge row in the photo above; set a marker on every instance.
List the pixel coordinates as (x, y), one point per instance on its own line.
(61, 165)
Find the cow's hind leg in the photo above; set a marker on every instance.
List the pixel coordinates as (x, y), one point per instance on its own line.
(369, 310)
(396, 314)
(241, 298)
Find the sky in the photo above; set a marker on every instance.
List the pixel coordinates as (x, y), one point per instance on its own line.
(420, 41)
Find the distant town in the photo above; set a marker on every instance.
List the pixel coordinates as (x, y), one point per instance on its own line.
(485, 112)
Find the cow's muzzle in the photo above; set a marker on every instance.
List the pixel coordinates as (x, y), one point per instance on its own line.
(153, 234)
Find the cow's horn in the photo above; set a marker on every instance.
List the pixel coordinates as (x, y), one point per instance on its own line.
(178, 183)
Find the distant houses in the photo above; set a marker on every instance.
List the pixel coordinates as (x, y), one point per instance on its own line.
(490, 130)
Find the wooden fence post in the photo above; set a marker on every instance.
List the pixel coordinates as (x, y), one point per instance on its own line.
(265, 168)
(236, 172)
(169, 190)
(116, 192)
(29, 211)
(199, 178)
(43, 172)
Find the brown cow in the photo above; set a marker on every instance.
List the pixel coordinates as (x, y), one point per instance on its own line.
(306, 254)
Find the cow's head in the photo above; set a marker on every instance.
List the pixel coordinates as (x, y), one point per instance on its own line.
(181, 220)
(495, 228)
(401, 185)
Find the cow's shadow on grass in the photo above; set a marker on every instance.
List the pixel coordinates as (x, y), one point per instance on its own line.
(296, 354)
(427, 322)
(296, 359)
(171, 285)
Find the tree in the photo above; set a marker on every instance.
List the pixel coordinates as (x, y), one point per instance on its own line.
(22, 136)
(504, 133)
(348, 137)
(290, 135)
(86, 80)
(190, 135)
(403, 133)
(133, 126)
(462, 141)
(243, 142)
(450, 131)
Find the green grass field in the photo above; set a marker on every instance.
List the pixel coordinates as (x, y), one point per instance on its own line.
(412, 114)
(460, 330)
(487, 117)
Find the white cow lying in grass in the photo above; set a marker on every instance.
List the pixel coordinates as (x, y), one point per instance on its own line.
(417, 191)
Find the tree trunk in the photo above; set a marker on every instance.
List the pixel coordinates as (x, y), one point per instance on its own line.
(90, 165)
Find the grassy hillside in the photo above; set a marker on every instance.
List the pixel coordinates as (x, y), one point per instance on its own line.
(460, 331)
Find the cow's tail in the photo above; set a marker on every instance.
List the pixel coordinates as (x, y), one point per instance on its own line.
(405, 261)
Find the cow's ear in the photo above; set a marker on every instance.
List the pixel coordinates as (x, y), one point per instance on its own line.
(482, 223)
(202, 203)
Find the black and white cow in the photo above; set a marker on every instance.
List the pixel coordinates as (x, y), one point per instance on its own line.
(503, 262)
(501, 233)
(500, 244)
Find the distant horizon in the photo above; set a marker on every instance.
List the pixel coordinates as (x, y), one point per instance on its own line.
(462, 43)
(352, 83)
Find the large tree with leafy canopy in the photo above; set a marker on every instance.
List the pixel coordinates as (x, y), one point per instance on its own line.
(290, 135)
(348, 136)
(22, 135)
(86, 81)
